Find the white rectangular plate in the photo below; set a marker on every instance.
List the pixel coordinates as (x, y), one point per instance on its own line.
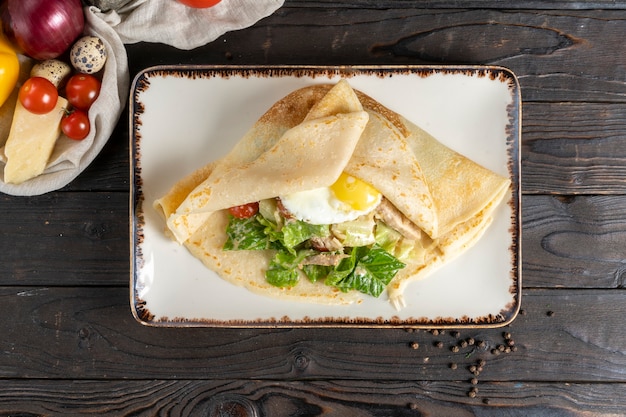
(181, 118)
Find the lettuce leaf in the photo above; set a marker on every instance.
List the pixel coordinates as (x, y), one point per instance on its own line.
(246, 234)
(283, 269)
(367, 269)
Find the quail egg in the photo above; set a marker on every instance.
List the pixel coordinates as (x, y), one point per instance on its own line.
(53, 70)
(88, 54)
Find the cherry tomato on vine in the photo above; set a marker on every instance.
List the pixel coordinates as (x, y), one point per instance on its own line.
(199, 4)
(38, 95)
(75, 124)
(244, 211)
(82, 90)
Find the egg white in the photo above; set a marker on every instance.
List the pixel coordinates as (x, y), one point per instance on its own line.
(320, 206)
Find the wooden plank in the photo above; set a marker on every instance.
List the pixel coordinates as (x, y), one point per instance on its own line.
(65, 238)
(573, 148)
(554, 52)
(573, 241)
(564, 336)
(312, 398)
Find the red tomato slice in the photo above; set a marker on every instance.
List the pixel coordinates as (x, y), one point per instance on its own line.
(38, 95)
(245, 211)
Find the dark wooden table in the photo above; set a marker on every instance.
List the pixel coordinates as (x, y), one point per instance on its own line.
(70, 346)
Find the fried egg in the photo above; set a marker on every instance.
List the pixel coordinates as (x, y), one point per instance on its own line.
(345, 200)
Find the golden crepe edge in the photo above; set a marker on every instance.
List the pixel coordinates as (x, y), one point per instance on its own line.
(457, 225)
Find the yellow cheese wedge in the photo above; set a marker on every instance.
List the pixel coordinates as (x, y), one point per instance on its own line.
(31, 141)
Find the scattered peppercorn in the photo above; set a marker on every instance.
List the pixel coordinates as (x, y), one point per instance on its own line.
(463, 343)
(455, 334)
(454, 348)
(506, 335)
(474, 381)
(482, 362)
(550, 313)
(486, 401)
(453, 365)
(414, 345)
(482, 344)
(471, 341)
(439, 344)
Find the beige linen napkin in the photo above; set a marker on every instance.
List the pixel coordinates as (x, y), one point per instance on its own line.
(172, 23)
(163, 21)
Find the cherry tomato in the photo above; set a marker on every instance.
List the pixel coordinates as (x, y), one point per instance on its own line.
(82, 90)
(199, 4)
(245, 211)
(75, 125)
(38, 95)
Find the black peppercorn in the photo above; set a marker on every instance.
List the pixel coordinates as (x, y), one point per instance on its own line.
(414, 345)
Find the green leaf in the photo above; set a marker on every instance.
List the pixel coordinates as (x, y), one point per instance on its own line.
(381, 264)
(316, 272)
(283, 269)
(296, 232)
(342, 271)
(367, 270)
(280, 277)
(245, 234)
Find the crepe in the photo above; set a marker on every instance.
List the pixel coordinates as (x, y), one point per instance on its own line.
(306, 140)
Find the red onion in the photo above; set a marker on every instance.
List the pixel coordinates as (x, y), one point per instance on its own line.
(43, 29)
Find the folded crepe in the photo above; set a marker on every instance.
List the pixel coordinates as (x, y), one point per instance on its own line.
(307, 140)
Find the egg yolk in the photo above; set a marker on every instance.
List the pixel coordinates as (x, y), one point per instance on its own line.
(358, 194)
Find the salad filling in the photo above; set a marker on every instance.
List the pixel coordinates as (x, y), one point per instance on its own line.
(363, 254)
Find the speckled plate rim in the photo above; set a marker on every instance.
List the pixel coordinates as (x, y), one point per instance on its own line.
(141, 83)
